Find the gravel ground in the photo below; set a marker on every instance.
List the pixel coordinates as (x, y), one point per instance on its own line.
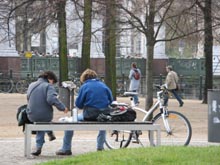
(12, 141)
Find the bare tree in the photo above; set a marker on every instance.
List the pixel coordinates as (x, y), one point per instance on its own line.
(149, 18)
(110, 45)
(32, 17)
(61, 17)
(206, 8)
(86, 40)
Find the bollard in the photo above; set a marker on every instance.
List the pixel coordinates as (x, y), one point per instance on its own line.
(213, 115)
(64, 96)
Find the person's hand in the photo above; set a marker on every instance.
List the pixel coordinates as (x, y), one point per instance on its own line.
(66, 110)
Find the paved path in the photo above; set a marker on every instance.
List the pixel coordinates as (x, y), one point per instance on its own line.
(12, 150)
(12, 142)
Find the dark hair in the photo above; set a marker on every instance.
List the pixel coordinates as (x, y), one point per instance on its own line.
(49, 75)
(134, 65)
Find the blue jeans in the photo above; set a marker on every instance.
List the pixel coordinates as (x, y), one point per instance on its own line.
(40, 138)
(135, 97)
(68, 135)
(177, 96)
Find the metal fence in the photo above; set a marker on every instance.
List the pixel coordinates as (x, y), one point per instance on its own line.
(191, 72)
(191, 87)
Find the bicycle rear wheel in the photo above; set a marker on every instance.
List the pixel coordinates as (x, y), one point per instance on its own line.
(6, 85)
(180, 129)
(118, 139)
(22, 86)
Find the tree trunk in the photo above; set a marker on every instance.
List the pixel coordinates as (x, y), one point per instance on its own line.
(149, 77)
(110, 46)
(43, 41)
(208, 48)
(61, 16)
(150, 54)
(86, 41)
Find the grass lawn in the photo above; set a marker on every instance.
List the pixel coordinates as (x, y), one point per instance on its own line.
(146, 156)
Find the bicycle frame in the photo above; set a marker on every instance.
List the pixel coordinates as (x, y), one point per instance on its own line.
(151, 110)
(176, 129)
(159, 103)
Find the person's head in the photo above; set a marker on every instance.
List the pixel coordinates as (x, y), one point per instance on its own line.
(88, 74)
(169, 68)
(50, 76)
(134, 65)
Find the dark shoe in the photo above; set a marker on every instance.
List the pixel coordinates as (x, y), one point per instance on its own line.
(61, 152)
(37, 152)
(51, 136)
(181, 104)
(100, 149)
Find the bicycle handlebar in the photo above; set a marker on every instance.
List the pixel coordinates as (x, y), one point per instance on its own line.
(161, 87)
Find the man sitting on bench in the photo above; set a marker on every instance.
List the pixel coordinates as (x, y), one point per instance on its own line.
(94, 98)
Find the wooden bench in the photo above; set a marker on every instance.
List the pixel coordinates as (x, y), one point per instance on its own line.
(89, 126)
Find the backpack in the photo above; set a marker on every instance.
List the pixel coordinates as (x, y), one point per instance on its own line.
(118, 115)
(22, 116)
(136, 74)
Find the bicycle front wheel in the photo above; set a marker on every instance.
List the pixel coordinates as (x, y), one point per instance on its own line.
(178, 130)
(118, 139)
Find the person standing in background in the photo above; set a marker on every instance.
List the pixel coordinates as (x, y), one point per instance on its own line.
(172, 83)
(135, 79)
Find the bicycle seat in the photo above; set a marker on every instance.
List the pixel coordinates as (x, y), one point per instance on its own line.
(115, 103)
(130, 94)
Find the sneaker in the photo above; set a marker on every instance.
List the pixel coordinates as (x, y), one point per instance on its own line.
(181, 104)
(64, 153)
(51, 136)
(37, 152)
(98, 149)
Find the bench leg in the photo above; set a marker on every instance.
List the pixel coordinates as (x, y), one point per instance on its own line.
(27, 142)
(151, 138)
(158, 137)
(151, 133)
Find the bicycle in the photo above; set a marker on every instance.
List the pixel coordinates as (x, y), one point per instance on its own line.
(6, 84)
(22, 85)
(175, 127)
(121, 87)
(76, 81)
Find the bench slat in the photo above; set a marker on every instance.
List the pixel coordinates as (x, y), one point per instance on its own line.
(90, 122)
